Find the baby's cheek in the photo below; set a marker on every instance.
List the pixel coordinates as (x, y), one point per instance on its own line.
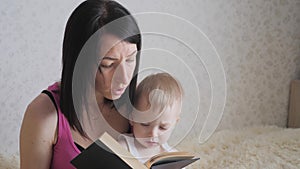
(166, 135)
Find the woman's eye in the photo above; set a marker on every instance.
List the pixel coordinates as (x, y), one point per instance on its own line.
(130, 60)
(106, 65)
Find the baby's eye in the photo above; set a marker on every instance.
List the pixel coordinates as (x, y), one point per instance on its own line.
(163, 128)
(145, 124)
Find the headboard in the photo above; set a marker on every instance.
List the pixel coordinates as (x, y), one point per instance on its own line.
(294, 107)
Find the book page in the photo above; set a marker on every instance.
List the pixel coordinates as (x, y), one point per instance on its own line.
(121, 152)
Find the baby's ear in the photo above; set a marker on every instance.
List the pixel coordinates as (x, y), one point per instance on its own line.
(178, 118)
(130, 119)
(131, 122)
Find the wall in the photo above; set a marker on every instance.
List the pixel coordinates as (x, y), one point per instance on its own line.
(257, 41)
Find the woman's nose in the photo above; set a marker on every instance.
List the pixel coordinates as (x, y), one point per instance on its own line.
(121, 74)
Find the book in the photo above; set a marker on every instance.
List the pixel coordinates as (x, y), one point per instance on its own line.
(106, 152)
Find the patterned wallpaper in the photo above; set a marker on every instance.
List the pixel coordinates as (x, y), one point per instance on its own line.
(258, 42)
(261, 56)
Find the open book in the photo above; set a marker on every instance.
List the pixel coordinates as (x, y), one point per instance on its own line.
(106, 152)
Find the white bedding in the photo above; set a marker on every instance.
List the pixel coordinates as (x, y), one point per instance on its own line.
(257, 147)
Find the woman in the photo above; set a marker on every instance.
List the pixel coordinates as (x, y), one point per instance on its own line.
(100, 63)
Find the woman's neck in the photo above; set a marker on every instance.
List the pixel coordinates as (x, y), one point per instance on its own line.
(99, 98)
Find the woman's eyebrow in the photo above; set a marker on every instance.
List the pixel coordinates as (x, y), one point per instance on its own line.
(114, 58)
(132, 53)
(109, 58)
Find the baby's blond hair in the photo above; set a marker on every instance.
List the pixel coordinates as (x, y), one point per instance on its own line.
(161, 89)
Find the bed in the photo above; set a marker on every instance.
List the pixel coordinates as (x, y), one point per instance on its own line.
(267, 147)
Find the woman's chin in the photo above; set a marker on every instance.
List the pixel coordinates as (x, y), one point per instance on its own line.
(114, 97)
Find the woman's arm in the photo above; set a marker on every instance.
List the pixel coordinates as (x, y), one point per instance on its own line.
(38, 134)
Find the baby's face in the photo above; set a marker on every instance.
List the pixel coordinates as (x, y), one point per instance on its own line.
(152, 128)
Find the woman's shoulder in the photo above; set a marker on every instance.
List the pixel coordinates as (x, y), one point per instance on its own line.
(38, 131)
(41, 113)
(41, 106)
(39, 121)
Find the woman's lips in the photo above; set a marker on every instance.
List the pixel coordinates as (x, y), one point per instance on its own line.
(119, 91)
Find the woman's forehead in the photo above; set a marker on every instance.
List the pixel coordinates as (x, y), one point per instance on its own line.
(110, 44)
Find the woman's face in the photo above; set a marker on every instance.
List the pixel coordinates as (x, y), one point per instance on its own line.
(116, 66)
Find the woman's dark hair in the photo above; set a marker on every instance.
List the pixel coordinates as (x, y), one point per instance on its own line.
(86, 19)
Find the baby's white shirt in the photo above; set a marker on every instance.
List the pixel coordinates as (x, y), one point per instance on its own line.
(129, 139)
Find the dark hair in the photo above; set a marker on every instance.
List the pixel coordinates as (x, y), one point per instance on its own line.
(87, 19)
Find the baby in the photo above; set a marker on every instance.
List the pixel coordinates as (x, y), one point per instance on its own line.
(158, 103)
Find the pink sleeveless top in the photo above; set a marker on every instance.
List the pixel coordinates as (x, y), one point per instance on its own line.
(64, 150)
